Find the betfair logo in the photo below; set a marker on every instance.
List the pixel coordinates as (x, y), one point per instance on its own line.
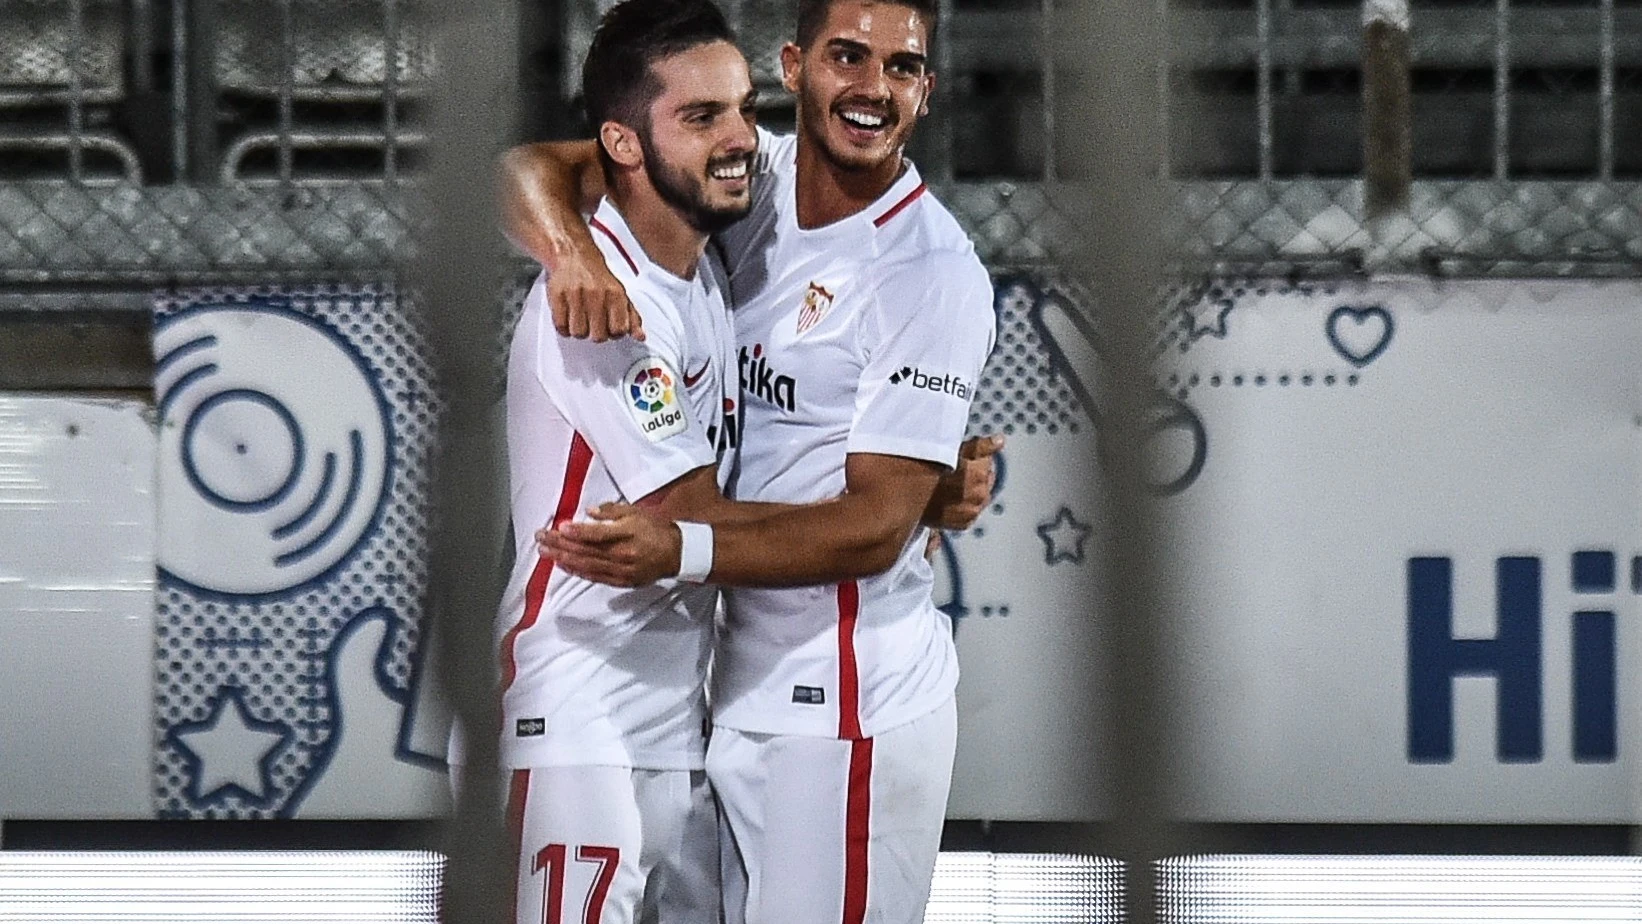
(944, 384)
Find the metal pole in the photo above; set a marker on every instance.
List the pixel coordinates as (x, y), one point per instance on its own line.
(1605, 130)
(458, 276)
(1263, 102)
(1114, 138)
(196, 71)
(1502, 88)
(142, 47)
(390, 91)
(179, 91)
(1046, 11)
(1388, 144)
(945, 100)
(287, 87)
(77, 89)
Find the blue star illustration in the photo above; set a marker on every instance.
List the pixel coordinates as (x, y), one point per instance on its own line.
(1206, 318)
(1063, 538)
(229, 752)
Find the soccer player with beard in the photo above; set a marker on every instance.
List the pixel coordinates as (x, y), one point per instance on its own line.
(602, 701)
(863, 318)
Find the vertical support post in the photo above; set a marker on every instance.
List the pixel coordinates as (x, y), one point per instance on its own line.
(287, 89)
(1110, 50)
(1388, 147)
(1046, 35)
(179, 89)
(458, 282)
(77, 89)
(138, 74)
(1502, 89)
(196, 70)
(943, 137)
(1605, 91)
(1263, 101)
(391, 26)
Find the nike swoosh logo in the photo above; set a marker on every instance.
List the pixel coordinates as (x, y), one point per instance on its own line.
(691, 380)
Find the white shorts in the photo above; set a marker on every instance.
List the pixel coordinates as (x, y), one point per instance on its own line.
(823, 831)
(613, 845)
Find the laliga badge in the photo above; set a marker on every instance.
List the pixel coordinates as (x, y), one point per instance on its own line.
(653, 399)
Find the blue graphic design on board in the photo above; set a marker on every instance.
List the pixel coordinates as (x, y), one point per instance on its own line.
(1177, 440)
(949, 583)
(1360, 335)
(281, 432)
(293, 529)
(1205, 317)
(949, 592)
(1063, 538)
(356, 678)
(230, 753)
(1177, 445)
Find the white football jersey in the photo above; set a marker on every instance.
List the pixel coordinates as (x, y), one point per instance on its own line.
(594, 674)
(864, 336)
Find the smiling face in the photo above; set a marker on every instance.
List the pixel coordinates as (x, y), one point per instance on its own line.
(861, 82)
(699, 144)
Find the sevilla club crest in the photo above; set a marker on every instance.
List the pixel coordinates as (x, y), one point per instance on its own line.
(817, 302)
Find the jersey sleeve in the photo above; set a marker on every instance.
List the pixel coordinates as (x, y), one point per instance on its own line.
(930, 335)
(626, 400)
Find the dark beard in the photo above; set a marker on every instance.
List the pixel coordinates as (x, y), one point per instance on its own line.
(685, 194)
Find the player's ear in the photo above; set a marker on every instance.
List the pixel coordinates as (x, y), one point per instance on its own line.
(929, 93)
(621, 143)
(791, 58)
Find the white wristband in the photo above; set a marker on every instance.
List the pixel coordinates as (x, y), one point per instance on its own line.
(695, 551)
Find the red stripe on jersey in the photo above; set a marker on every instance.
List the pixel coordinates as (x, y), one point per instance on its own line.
(617, 241)
(570, 498)
(857, 834)
(883, 219)
(849, 680)
(518, 789)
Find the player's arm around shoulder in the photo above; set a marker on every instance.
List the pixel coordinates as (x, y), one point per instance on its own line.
(544, 189)
(584, 358)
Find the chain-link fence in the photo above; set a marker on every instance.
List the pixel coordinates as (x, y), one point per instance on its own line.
(204, 140)
(208, 140)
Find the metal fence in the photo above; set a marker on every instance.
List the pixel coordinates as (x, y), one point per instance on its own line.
(144, 141)
(200, 140)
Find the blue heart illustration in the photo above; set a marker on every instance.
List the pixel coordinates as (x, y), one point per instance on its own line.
(1360, 343)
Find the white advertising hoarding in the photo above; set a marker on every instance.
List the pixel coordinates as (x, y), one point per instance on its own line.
(1406, 560)
(76, 607)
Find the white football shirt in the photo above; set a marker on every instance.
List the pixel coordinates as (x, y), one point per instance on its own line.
(864, 336)
(594, 674)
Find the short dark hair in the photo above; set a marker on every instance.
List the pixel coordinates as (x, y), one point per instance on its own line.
(618, 83)
(812, 13)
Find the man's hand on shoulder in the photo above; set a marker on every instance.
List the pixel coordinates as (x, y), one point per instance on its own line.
(589, 302)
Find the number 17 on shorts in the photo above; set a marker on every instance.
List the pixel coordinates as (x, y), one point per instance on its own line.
(613, 845)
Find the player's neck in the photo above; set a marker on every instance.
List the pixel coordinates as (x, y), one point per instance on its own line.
(667, 239)
(827, 192)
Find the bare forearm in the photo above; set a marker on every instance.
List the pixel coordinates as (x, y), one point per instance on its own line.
(543, 193)
(836, 540)
(721, 511)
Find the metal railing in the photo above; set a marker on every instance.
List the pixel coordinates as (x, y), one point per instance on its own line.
(235, 137)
